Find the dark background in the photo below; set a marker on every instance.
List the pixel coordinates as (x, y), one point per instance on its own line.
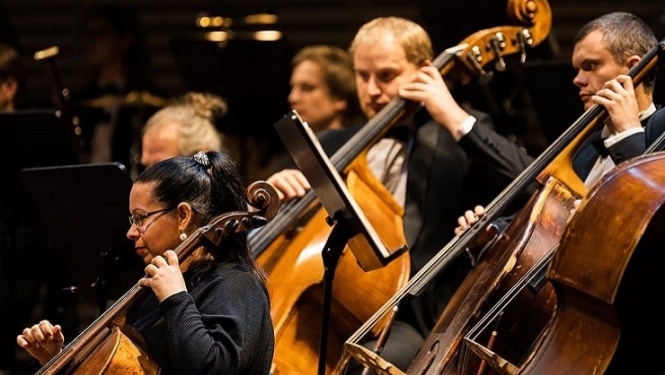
(531, 103)
(534, 102)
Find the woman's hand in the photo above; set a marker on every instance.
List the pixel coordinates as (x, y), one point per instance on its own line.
(163, 276)
(42, 341)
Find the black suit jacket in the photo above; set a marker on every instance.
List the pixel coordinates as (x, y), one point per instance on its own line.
(445, 177)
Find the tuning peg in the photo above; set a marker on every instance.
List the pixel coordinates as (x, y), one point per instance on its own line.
(231, 226)
(524, 39)
(498, 44)
(522, 47)
(475, 57)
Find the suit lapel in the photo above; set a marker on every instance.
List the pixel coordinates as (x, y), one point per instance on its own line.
(419, 169)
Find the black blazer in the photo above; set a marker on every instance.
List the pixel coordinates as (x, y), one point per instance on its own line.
(446, 177)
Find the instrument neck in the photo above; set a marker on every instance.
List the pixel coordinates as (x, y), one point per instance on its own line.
(396, 110)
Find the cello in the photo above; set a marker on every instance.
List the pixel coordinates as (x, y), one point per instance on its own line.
(520, 288)
(598, 278)
(598, 345)
(296, 274)
(109, 345)
(531, 238)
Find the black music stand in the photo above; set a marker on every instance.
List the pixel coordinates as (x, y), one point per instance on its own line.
(84, 209)
(344, 215)
(34, 138)
(30, 138)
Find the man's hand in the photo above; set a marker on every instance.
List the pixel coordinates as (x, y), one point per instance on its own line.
(290, 184)
(468, 219)
(618, 98)
(429, 88)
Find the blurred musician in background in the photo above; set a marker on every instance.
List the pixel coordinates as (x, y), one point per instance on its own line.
(11, 77)
(323, 91)
(183, 128)
(119, 96)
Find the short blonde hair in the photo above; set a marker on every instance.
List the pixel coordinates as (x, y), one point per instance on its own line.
(411, 36)
(195, 113)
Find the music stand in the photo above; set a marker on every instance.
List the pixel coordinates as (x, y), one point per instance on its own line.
(84, 209)
(34, 138)
(348, 221)
(31, 138)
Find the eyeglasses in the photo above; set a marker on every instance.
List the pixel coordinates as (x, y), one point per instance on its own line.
(137, 219)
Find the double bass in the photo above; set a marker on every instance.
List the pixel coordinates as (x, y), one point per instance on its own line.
(592, 348)
(455, 345)
(292, 257)
(109, 345)
(604, 321)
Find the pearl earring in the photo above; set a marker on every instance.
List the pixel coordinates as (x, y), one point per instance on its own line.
(183, 236)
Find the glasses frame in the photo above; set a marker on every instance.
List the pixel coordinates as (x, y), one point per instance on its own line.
(137, 219)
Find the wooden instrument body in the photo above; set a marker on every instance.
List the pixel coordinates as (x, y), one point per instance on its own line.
(534, 232)
(589, 268)
(296, 279)
(293, 259)
(117, 354)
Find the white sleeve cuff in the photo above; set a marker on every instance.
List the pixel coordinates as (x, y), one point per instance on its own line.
(467, 125)
(614, 138)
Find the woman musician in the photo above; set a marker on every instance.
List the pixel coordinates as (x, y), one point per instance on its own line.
(212, 317)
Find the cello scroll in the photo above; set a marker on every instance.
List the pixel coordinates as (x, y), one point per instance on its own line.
(263, 204)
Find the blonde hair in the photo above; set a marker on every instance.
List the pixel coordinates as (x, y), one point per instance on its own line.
(412, 37)
(195, 113)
